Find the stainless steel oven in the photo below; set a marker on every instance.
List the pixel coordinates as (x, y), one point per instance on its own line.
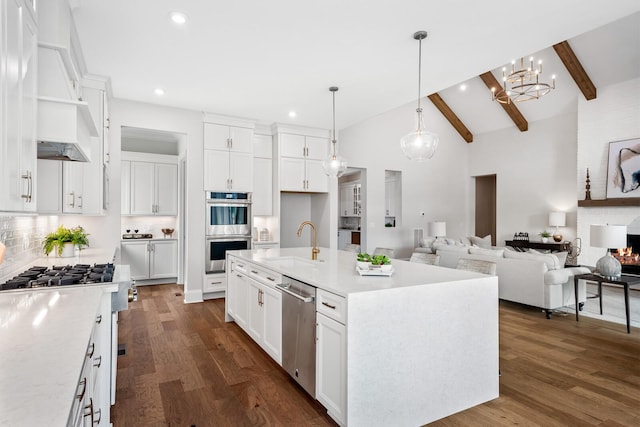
(216, 248)
(228, 214)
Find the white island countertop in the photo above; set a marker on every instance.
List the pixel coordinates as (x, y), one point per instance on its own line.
(44, 335)
(335, 271)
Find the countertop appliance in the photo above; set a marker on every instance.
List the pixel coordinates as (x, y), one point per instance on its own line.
(78, 274)
(299, 333)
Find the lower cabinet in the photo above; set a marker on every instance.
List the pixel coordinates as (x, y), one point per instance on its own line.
(151, 259)
(331, 366)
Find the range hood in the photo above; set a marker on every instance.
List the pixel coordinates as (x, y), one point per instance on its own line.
(64, 131)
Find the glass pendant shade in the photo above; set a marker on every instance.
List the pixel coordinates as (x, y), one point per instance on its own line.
(334, 165)
(419, 145)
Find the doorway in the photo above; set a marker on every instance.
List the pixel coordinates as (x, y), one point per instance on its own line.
(352, 215)
(486, 207)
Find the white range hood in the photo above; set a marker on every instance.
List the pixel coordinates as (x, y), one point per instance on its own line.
(64, 131)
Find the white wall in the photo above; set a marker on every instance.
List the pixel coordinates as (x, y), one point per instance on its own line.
(535, 175)
(438, 187)
(613, 116)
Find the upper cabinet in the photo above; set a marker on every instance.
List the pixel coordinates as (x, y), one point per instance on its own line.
(149, 184)
(18, 92)
(263, 175)
(301, 159)
(228, 154)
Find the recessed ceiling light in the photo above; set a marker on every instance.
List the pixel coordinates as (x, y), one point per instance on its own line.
(178, 18)
(292, 114)
(159, 91)
(463, 87)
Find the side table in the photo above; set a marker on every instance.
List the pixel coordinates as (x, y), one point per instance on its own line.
(625, 281)
(521, 245)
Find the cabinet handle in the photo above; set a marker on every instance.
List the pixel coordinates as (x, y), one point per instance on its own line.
(29, 194)
(333, 307)
(239, 275)
(97, 360)
(92, 413)
(82, 383)
(231, 185)
(254, 272)
(73, 199)
(93, 349)
(99, 319)
(107, 125)
(79, 201)
(271, 278)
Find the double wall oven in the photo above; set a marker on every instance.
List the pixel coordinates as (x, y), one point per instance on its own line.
(228, 227)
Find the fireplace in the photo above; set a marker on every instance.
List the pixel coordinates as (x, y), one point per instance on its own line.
(629, 257)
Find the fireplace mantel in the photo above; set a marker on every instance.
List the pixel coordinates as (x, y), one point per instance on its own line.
(631, 201)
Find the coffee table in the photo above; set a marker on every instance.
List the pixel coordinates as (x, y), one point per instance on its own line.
(625, 281)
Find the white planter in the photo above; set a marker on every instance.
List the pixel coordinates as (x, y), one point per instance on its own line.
(545, 239)
(68, 250)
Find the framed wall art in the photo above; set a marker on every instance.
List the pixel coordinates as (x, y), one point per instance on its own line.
(623, 169)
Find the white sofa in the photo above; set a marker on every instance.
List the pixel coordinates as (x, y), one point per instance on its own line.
(532, 279)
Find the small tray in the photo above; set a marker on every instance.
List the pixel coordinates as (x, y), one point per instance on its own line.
(374, 272)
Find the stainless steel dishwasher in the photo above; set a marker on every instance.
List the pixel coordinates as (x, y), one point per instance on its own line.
(299, 333)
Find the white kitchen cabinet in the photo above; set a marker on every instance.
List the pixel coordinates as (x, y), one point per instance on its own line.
(151, 187)
(213, 282)
(350, 204)
(262, 196)
(228, 158)
(265, 318)
(72, 187)
(18, 101)
(301, 163)
(331, 366)
(61, 186)
(237, 295)
(344, 238)
(151, 259)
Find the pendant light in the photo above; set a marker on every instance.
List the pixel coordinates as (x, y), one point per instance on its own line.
(420, 144)
(334, 165)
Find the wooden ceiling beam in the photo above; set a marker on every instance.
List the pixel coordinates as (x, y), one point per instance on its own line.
(574, 67)
(451, 116)
(518, 119)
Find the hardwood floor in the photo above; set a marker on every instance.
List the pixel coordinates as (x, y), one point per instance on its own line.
(185, 366)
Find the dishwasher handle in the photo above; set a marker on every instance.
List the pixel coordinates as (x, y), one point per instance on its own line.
(304, 298)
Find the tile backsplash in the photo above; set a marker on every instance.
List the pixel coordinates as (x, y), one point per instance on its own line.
(22, 235)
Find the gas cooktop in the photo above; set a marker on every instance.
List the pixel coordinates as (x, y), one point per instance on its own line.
(79, 274)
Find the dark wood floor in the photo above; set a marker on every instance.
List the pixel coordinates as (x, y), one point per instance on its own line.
(185, 366)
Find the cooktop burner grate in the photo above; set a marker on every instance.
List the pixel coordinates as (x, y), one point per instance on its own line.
(38, 277)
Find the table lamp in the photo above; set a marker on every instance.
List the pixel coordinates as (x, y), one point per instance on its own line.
(437, 229)
(557, 219)
(608, 236)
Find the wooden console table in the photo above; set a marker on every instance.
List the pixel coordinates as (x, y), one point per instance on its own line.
(523, 245)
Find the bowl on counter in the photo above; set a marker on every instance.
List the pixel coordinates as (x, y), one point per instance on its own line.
(167, 232)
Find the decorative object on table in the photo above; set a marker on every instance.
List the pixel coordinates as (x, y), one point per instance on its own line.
(420, 144)
(521, 236)
(575, 249)
(522, 84)
(545, 236)
(587, 187)
(167, 232)
(437, 229)
(65, 240)
(557, 219)
(623, 169)
(608, 236)
(363, 261)
(373, 265)
(334, 165)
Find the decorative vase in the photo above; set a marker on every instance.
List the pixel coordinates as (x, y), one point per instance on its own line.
(557, 238)
(545, 239)
(68, 250)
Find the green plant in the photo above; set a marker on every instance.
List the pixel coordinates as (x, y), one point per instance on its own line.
(364, 257)
(380, 260)
(62, 235)
(544, 233)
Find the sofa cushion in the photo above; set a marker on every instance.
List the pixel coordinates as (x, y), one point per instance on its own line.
(562, 256)
(550, 260)
(451, 248)
(498, 253)
(483, 242)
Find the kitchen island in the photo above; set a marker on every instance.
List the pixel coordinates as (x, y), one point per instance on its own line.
(402, 350)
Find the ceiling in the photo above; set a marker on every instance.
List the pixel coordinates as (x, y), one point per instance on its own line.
(260, 60)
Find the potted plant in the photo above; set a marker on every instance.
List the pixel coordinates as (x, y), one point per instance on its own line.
(381, 261)
(364, 261)
(545, 235)
(65, 240)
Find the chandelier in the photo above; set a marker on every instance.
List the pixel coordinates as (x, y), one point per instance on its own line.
(522, 84)
(335, 165)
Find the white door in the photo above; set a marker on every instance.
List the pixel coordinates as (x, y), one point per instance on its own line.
(240, 284)
(142, 188)
(272, 300)
(317, 148)
(216, 137)
(72, 187)
(49, 186)
(163, 259)
(216, 170)
(292, 177)
(262, 197)
(166, 189)
(241, 172)
(136, 255)
(345, 199)
(256, 311)
(317, 181)
(241, 139)
(28, 119)
(331, 366)
(292, 146)
(344, 238)
(125, 187)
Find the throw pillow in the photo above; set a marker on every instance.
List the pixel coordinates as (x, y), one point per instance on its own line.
(498, 253)
(483, 242)
(562, 256)
(451, 248)
(427, 242)
(550, 260)
(465, 241)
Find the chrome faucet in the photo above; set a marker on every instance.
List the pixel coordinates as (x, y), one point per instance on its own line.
(314, 250)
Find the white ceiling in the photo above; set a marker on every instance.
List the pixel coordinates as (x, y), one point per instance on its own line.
(260, 59)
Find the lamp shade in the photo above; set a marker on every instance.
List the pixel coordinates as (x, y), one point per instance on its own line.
(608, 236)
(557, 219)
(437, 228)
